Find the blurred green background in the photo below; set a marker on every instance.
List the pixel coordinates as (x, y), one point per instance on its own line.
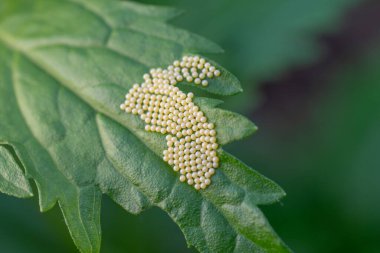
(311, 73)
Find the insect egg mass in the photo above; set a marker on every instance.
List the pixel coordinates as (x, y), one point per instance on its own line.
(190, 138)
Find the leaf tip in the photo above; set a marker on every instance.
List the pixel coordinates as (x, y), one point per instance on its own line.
(28, 193)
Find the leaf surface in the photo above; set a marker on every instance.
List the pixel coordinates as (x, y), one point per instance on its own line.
(64, 70)
(12, 179)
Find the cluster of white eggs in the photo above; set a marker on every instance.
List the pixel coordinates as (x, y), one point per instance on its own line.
(191, 140)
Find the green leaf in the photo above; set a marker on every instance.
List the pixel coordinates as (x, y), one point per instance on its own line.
(64, 70)
(12, 179)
